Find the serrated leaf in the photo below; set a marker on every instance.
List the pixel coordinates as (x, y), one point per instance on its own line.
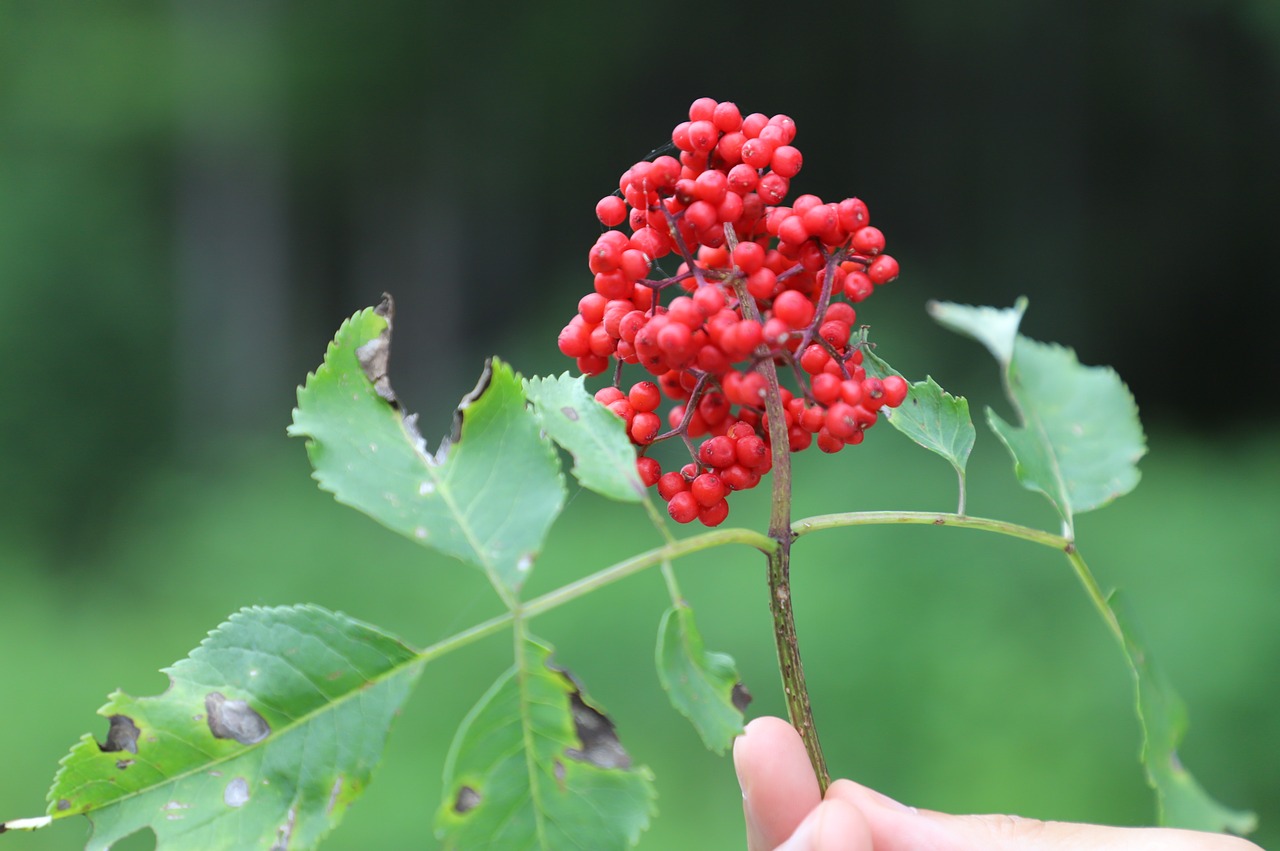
(996, 328)
(488, 496)
(930, 416)
(536, 766)
(604, 457)
(1080, 438)
(1180, 800)
(703, 686)
(268, 731)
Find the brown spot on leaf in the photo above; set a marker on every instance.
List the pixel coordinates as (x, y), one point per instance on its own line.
(375, 354)
(234, 719)
(740, 696)
(285, 831)
(121, 736)
(570, 413)
(122, 764)
(600, 745)
(486, 376)
(63, 805)
(333, 795)
(236, 793)
(466, 801)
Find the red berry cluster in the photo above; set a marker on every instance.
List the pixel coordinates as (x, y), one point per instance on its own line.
(757, 281)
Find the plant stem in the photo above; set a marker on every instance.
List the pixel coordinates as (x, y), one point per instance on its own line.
(784, 621)
(599, 579)
(930, 518)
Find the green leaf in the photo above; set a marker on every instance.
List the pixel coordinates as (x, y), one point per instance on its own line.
(488, 496)
(703, 686)
(536, 766)
(1080, 438)
(995, 328)
(931, 417)
(1180, 800)
(267, 733)
(604, 458)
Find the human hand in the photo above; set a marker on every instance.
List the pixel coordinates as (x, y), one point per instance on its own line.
(784, 812)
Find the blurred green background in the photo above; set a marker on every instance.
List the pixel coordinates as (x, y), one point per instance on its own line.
(194, 195)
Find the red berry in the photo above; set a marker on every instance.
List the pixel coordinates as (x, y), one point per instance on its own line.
(867, 240)
(702, 109)
(644, 396)
(702, 136)
(794, 308)
(707, 489)
(644, 427)
(895, 390)
(592, 365)
(751, 451)
(726, 117)
(608, 395)
(575, 340)
(650, 471)
(829, 443)
(826, 388)
(717, 452)
(611, 211)
(786, 161)
(883, 269)
(857, 286)
(814, 359)
(713, 515)
(670, 484)
(757, 153)
(739, 478)
(853, 214)
(873, 396)
(683, 508)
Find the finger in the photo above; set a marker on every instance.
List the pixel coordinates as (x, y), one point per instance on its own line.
(778, 786)
(834, 826)
(896, 827)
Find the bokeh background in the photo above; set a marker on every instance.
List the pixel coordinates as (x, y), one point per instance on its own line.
(193, 195)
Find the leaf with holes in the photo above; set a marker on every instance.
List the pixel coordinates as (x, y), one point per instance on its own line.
(268, 731)
(604, 457)
(703, 686)
(536, 766)
(488, 496)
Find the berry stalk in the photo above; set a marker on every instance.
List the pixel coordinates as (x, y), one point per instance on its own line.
(784, 622)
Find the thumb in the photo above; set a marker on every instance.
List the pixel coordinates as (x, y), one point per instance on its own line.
(896, 827)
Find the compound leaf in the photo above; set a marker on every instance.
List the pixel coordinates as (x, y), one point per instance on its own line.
(488, 496)
(1180, 800)
(604, 458)
(536, 766)
(931, 417)
(703, 686)
(268, 731)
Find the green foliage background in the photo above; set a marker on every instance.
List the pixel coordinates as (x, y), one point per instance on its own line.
(193, 196)
(950, 670)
